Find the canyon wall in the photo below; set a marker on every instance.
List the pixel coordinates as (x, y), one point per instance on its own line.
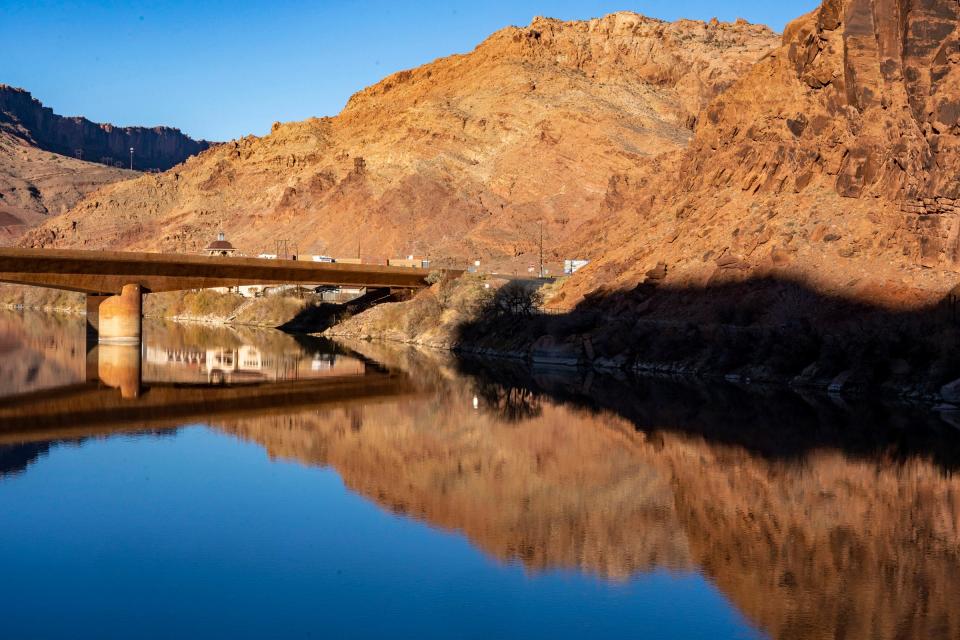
(160, 148)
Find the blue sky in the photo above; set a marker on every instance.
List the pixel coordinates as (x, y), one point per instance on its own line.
(220, 70)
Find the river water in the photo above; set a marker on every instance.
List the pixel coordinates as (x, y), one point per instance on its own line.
(235, 483)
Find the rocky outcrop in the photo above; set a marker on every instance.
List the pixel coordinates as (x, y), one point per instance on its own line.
(836, 156)
(25, 117)
(458, 159)
(872, 106)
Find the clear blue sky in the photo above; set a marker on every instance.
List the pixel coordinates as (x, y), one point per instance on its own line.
(220, 70)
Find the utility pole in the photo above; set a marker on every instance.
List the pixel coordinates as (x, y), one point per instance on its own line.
(540, 223)
(131, 158)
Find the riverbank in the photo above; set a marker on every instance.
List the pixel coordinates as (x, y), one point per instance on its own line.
(291, 313)
(765, 332)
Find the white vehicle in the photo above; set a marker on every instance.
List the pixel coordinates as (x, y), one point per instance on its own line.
(268, 256)
(323, 259)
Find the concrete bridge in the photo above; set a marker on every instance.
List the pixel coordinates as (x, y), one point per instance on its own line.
(116, 281)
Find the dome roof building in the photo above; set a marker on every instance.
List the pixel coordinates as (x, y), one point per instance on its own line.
(220, 247)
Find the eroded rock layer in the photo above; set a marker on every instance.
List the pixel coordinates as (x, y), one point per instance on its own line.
(25, 117)
(836, 154)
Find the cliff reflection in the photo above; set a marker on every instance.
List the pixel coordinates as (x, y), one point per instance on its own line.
(40, 351)
(814, 542)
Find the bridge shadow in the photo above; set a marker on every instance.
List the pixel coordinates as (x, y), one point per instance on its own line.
(318, 317)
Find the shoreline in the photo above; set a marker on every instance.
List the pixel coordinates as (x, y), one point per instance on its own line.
(564, 359)
(654, 371)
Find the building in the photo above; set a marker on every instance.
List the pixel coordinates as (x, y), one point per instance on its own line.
(570, 267)
(409, 261)
(220, 247)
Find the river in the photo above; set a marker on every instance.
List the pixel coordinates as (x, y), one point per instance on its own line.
(226, 482)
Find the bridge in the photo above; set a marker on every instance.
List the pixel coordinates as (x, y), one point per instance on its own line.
(116, 281)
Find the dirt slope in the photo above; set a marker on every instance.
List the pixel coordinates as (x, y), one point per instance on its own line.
(456, 159)
(37, 184)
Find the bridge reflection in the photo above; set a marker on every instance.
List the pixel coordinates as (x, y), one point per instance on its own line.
(120, 402)
(195, 385)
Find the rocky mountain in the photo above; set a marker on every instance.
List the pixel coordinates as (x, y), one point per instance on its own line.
(25, 117)
(833, 161)
(48, 163)
(458, 159)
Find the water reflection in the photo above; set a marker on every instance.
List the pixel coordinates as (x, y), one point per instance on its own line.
(816, 519)
(236, 355)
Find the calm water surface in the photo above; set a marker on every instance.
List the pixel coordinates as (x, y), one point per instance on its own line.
(236, 483)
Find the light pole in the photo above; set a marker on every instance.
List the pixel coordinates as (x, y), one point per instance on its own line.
(131, 158)
(540, 224)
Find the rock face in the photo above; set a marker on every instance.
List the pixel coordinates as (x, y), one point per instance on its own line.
(25, 117)
(837, 153)
(457, 159)
(48, 163)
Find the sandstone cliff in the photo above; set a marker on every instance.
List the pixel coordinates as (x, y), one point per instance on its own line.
(25, 117)
(834, 159)
(457, 159)
(48, 163)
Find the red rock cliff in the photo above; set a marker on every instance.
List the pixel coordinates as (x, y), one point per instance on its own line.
(154, 147)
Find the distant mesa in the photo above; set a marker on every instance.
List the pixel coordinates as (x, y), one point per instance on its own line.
(48, 163)
(25, 117)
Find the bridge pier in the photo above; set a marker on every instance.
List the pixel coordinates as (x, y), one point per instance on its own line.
(117, 319)
(93, 315)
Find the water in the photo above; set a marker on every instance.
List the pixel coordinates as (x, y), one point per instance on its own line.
(237, 483)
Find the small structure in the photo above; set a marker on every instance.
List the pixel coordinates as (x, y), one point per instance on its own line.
(220, 247)
(409, 261)
(570, 267)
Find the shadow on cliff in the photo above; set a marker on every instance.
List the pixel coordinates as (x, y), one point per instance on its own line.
(758, 330)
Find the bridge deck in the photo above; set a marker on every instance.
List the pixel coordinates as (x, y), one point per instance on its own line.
(106, 272)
